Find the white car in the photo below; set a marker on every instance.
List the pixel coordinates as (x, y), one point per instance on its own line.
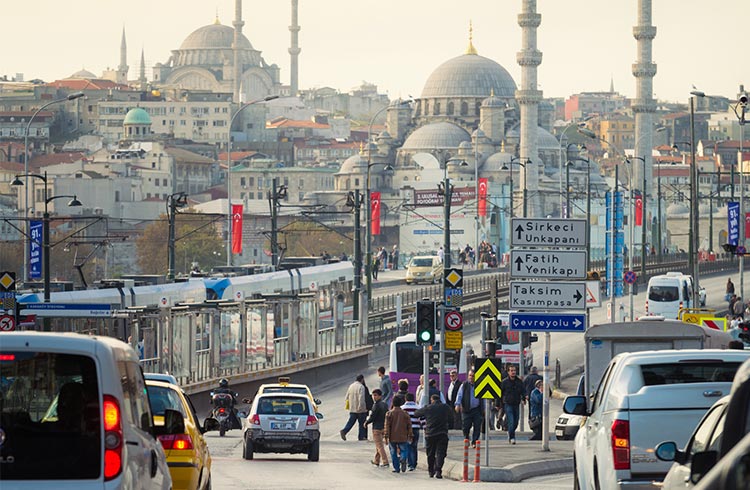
(567, 425)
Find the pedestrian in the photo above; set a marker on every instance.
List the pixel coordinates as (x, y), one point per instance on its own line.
(738, 308)
(386, 387)
(536, 400)
(394, 257)
(397, 434)
(403, 388)
(433, 390)
(410, 407)
(375, 266)
(377, 420)
(356, 404)
(470, 408)
(383, 258)
(530, 381)
(441, 254)
(438, 418)
(420, 389)
(452, 394)
(513, 396)
(730, 290)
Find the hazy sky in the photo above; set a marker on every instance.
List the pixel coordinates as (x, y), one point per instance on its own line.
(395, 44)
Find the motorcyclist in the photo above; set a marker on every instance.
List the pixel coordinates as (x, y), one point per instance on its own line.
(234, 421)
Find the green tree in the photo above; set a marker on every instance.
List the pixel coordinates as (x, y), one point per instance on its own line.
(308, 238)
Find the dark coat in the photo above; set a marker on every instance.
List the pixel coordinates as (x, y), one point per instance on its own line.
(513, 391)
(438, 418)
(377, 415)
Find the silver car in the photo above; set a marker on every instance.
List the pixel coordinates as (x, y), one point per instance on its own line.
(282, 423)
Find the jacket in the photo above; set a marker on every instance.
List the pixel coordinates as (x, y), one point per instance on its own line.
(355, 395)
(438, 418)
(377, 415)
(387, 388)
(513, 391)
(453, 391)
(397, 426)
(536, 400)
(529, 382)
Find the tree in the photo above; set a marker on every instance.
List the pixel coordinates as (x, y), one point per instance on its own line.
(308, 238)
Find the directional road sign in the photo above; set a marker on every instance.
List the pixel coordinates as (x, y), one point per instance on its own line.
(548, 232)
(548, 322)
(547, 295)
(487, 378)
(453, 320)
(548, 264)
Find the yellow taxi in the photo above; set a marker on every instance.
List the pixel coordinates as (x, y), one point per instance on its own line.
(187, 453)
(424, 268)
(285, 386)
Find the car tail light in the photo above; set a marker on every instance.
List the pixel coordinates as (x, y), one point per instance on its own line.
(221, 410)
(621, 444)
(176, 441)
(112, 437)
(312, 420)
(255, 420)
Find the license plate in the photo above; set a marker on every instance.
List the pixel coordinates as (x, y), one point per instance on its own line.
(282, 425)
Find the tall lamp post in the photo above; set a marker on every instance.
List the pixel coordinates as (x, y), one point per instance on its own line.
(229, 170)
(73, 96)
(561, 159)
(522, 162)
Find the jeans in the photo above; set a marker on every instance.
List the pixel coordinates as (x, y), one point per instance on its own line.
(357, 417)
(381, 457)
(413, 449)
(472, 418)
(511, 414)
(404, 448)
(437, 447)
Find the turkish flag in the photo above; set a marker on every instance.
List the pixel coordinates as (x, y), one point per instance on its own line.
(747, 225)
(236, 228)
(482, 204)
(639, 211)
(375, 213)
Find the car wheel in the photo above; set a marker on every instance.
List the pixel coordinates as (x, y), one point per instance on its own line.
(576, 483)
(313, 454)
(247, 449)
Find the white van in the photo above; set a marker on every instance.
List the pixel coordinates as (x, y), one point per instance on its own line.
(670, 292)
(74, 413)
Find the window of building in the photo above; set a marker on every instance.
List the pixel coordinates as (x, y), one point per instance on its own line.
(450, 108)
(164, 181)
(250, 181)
(464, 109)
(243, 181)
(153, 164)
(436, 109)
(356, 182)
(156, 182)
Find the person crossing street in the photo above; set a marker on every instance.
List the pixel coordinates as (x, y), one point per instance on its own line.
(438, 418)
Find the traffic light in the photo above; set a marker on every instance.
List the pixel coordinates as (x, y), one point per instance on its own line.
(728, 247)
(592, 275)
(426, 319)
(744, 331)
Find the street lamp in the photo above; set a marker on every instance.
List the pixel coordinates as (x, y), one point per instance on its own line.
(73, 96)
(229, 170)
(562, 135)
(74, 202)
(522, 162)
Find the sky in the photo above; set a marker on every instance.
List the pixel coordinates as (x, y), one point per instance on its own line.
(395, 44)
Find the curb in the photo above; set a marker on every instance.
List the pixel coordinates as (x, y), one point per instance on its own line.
(510, 474)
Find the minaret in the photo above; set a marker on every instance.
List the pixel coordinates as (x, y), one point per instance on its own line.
(236, 48)
(142, 78)
(643, 106)
(528, 98)
(294, 51)
(122, 70)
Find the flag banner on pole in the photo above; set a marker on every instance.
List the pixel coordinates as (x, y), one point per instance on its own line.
(747, 225)
(236, 228)
(482, 204)
(375, 213)
(639, 211)
(733, 222)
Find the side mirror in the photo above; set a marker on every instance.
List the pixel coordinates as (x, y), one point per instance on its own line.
(174, 423)
(317, 401)
(319, 415)
(575, 405)
(700, 464)
(241, 414)
(667, 451)
(211, 424)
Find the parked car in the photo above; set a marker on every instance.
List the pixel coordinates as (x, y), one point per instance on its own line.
(187, 453)
(75, 413)
(282, 423)
(642, 399)
(424, 268)
(567, 425)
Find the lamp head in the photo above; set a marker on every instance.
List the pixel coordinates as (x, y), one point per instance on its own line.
(587, 132)
(743, 99)
(270, 97)
(75, 202)
(75, 95)
(16, 181)
(388, 168)
(504, 167)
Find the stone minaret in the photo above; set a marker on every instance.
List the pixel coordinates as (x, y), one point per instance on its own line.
(238, 23)
(643, 106)
(528, 98)
(122, 69)
(294, 51)
(142, 82)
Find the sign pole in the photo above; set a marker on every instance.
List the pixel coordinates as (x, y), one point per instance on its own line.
(545, 395)
(426, 370)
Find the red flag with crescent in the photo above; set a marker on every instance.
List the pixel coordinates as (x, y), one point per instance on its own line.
(375, 213)
(639, 211)
(747, 225)
(482, 205)
(236, 228)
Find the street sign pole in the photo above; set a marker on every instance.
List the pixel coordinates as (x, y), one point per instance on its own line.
(426, 371)
(545, 395)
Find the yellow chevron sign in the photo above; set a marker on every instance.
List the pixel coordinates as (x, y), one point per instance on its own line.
(487, 378)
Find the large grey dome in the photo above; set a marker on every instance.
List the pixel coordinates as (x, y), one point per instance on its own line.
(545, 139)
(436, 136)
(214, 36)
(469, 75)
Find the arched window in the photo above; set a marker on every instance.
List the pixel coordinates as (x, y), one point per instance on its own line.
(477, 108)
(450, 108)
(426, 107)
(464, 109)
(436, 109)
(348, 183)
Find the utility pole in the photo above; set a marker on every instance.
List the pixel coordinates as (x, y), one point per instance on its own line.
(354, 200)
(276, 194)
(174, 202)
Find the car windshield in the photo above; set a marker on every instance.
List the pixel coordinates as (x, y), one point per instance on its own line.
(421, 262)
(285, 389)
(663, 294)
(162, 398)
(50, 417)
(278, 405)
(694, 372)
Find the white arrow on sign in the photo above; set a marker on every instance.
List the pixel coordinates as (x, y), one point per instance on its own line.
(548, 264)
(547, 295)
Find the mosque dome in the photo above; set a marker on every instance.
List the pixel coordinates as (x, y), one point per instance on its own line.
(354, 163)
(493, 101)
(436, 136)
(677, 209)
(213, 36)
(137, 116)
(469, 75)
(497, 160)
(83, 73)
(545, 139)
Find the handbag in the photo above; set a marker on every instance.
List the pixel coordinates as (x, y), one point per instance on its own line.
(346, 405)
(535, 422)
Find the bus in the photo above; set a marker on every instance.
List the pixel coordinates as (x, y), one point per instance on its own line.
(406, 361)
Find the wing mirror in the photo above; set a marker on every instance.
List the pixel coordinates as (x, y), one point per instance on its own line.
(668, 451)
(575, 405)
(317, 401)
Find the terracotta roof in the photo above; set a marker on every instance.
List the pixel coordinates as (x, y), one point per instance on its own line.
(237, 155)
(12, 167)
(55, 158)
(88, 84)
(291, 123)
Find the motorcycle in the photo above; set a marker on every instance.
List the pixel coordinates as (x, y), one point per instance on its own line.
(224, 412)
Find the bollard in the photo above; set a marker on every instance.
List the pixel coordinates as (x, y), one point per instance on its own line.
(476, 462)
(558, 374)
(466, 460)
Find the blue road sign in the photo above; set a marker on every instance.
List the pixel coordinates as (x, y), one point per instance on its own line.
(35, 249)
(733, 218)
(548, 322)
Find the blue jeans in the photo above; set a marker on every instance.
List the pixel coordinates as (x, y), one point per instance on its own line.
(413, 449)
(353, 418)
(404, 448)
(511, 415)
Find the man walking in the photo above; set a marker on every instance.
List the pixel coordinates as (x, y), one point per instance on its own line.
(357, 406)
(529, 382)
(398, 434)
(513, 397)
(377, 419)
(386, 387)
(470, 408)
(438, 418)
(411, 407)
(452, 394)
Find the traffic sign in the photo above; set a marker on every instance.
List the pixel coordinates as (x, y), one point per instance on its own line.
(453, 278)
(553, 232)
(454, 297)
(7, 323)
(7, 281)
(741, 250)
(547, 295)
(716, 323)
(630, 277)
(593, 294)
(454, 320)
(548, 264)
(454, 340)
(487, 378)
(548, 322)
